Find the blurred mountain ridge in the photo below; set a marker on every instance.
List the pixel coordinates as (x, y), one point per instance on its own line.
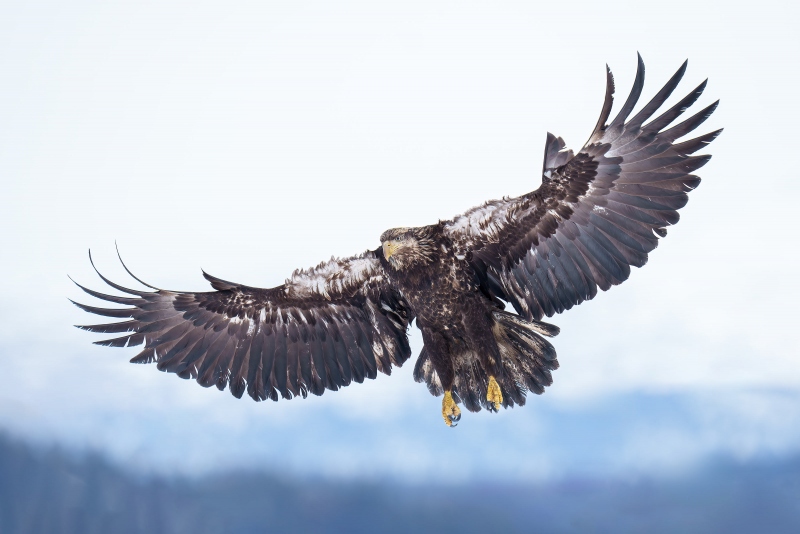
(50, 490)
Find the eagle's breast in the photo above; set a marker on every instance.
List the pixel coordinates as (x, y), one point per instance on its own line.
(438, 291)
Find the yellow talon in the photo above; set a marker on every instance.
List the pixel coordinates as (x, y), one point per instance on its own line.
(450, 410)
(493, 393)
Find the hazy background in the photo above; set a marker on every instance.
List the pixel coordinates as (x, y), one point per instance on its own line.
(256, 138)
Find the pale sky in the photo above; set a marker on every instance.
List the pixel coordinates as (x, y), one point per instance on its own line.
(254, 139)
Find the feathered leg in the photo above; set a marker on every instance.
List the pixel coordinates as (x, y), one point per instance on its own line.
(494, 394)
(436, 346)
(482, 326)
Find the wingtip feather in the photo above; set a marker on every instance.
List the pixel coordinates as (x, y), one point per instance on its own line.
(129, 271)
(608, 102)
(115, 285)
(633, 97)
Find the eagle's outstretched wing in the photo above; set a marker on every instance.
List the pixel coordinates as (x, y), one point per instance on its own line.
(323, 328)
(597, 212)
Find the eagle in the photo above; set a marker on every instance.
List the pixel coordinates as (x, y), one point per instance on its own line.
(596, 214)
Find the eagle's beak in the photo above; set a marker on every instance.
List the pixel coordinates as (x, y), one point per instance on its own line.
(389, 248)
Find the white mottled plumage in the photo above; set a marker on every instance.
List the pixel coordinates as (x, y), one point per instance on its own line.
(337, 277)
(479, 220)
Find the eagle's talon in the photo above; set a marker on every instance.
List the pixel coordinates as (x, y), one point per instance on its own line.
(451, 413)
(494, 394)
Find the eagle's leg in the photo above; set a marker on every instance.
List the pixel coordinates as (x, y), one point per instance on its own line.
(490, 359)
(451, 413)
(437, 348)
(486, 329)
(493, 393)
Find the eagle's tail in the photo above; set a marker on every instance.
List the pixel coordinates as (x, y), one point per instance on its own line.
(527, 359)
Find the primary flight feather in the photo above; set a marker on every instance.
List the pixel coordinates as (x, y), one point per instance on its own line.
(596, 214)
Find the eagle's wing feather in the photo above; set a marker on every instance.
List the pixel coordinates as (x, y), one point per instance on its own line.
(323, 328)
(597, 212)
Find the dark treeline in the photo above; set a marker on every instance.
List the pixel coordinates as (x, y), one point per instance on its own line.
(50, 491)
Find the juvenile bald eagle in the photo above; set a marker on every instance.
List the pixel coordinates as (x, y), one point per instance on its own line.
(596, 214)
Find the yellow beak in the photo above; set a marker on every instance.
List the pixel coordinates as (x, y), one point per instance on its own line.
(389, 248)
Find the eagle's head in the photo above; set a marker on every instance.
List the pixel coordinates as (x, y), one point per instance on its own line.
(405, 247)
